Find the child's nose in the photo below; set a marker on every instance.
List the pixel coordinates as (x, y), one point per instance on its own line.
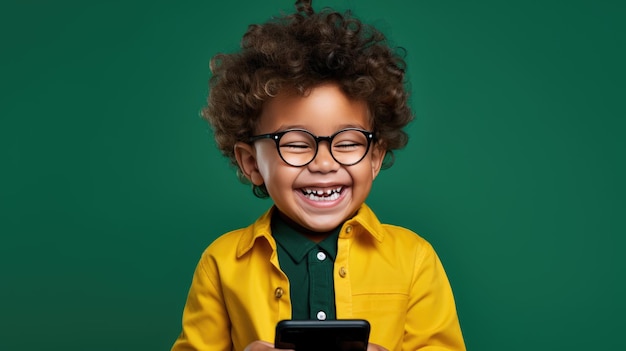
(323, 161)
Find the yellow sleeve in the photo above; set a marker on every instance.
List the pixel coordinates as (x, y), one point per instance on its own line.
(432, 323)
(206, 325)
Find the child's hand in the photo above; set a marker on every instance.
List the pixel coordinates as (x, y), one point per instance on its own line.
(263, 346)
(374, 347)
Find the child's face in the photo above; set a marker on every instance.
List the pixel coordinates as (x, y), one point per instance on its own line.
(324, 112)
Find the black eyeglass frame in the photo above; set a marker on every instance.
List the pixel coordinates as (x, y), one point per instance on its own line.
(277, 136)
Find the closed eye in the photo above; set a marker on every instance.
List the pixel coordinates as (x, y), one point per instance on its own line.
(347, 146)
(295, 147)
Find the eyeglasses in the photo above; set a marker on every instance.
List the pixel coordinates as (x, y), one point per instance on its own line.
(298, 147)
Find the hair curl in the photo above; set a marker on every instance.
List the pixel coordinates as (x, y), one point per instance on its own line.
(300, 51)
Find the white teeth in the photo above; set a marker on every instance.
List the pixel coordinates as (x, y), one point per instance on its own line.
(322, 195)
(314, 197)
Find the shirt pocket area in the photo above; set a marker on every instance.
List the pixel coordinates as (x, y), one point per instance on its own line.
(386, 312)
(380, 302)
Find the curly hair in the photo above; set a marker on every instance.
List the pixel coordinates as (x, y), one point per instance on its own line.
(300, 51)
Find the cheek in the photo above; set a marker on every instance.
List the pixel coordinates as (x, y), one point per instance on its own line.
(280, 184)
(265, 160)
(366, 175)
(277, 176)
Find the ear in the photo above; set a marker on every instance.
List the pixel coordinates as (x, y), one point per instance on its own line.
(378, 155)
(246, 159)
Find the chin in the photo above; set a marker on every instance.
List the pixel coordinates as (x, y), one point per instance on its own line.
(323, 224)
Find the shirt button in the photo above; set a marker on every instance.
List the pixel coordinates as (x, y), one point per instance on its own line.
(278, 293)
(348, 229)
(321, 256)
(321, 315)
(343, 272)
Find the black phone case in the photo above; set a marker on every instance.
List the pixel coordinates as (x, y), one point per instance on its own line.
(334, 335)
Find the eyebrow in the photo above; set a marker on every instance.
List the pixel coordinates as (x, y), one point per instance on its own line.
(300, 126)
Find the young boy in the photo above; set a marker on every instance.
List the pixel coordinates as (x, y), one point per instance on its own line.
(308, 110)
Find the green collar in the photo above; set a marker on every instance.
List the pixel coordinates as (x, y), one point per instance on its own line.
(288, 235)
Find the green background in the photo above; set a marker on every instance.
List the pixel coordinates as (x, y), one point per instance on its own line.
(111, 187)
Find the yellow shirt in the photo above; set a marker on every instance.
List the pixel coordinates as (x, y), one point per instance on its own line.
(385, 274)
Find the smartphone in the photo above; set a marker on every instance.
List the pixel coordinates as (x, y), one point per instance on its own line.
(333, 335)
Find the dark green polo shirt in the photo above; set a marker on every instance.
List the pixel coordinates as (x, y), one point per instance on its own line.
(309, 268)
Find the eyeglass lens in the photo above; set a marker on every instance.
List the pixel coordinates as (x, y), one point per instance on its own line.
(298, 148)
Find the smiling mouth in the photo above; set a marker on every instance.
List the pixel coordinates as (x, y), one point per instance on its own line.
(322, 195)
